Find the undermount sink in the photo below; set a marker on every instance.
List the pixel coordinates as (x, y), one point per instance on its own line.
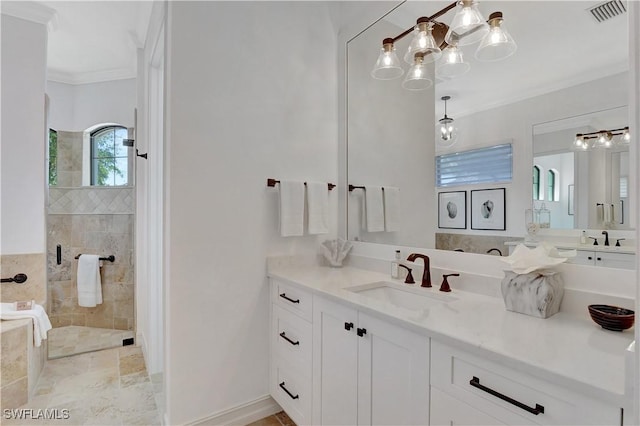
(412, 298)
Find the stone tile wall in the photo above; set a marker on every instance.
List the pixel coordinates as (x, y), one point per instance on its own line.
(69, 159)
(91, 200)
(102, 234)
(472, 243)
(33, 265)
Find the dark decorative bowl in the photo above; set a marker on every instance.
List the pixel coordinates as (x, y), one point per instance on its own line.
(612, 317)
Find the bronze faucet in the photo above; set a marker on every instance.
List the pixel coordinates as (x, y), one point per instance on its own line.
(409, 279)
(426, 275)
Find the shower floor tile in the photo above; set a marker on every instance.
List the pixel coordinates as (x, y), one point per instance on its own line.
(73, 339)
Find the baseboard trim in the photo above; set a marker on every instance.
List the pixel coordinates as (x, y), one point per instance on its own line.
(242, 414)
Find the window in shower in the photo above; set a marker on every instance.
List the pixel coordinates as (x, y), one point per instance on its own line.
(109, 158)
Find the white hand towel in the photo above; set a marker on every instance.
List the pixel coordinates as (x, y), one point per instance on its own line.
(391, 208)
(89, 282)
(41, 323)
(374, 205)
(318, 207)
(291, 208)
(608, 212)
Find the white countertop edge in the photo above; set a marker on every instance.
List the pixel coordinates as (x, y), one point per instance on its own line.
(577, 246)
(615, 395)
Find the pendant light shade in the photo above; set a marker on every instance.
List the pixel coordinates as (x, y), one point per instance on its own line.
(579, 142)
(423, 42)
(387, 66)
(452, 63)
(418, 75)
(446, 131)
(468, 25)
(497, 44)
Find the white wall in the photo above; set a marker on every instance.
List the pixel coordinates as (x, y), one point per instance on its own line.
(515, 122)
(262, 106)
(78, 107)
(24, 55)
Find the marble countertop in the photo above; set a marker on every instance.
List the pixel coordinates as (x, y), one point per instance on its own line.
(578, 246)
(564, 349)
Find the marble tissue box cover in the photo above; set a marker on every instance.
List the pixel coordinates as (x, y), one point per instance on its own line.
(537, 293)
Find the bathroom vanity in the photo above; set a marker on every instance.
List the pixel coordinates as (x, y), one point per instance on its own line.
(352, 346)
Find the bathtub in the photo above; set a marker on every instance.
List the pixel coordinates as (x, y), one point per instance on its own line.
(21, 362)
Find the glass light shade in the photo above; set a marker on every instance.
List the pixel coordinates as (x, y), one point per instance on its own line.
(579, 143)
(452, 64)
(626, 136)
(417, 77)
(605, 140)
(387, 66)
(446, 132)
(423, 42)
(497, 44)
(468, 26)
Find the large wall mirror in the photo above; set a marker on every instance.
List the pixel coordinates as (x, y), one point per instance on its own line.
(553, 75)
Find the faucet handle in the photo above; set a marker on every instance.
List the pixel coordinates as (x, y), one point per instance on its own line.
(409, 279)
(595, 241)
(445, 284)
(618, 241)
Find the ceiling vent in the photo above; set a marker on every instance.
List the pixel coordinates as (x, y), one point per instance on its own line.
(608, 10)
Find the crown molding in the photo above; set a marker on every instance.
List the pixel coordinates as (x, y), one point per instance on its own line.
(90, 77)
(31, 11)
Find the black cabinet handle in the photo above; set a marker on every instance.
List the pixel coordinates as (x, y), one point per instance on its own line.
(362, 331)
(590, 258)
(348, 326)
(598, 258)
(284, 296)
(475, 382)
(289, 340)
(287, 391)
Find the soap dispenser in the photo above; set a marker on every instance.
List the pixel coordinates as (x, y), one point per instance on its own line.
(395, 266)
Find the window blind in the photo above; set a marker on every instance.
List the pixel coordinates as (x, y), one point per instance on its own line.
(484, 165)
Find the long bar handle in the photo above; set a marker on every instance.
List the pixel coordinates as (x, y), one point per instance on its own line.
(287, 391)
(475, 382)
(284, 336)
(284, 296)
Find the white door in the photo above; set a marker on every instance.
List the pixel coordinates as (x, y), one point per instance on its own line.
(393, 374)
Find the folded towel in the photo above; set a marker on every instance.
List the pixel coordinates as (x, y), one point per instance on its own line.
(41, 323)
(291, 208)
(318, 207)
(89, 282)
(374, 206)
(391, 208)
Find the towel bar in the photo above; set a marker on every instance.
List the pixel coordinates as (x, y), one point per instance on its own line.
(111, 258)
(272, 182)
(352, 187)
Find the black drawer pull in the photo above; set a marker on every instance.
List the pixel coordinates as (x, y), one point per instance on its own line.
(348, 326)
(284, 296)
(598, 258)
(288, 340)
(475, 382)
(590, 258)
(361, 331)
(288, 393)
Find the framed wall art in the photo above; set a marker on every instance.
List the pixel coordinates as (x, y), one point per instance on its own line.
(452, 210)
(488, 209)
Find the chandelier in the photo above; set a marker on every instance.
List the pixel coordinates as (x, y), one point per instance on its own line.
(602, 139)
(433, 40)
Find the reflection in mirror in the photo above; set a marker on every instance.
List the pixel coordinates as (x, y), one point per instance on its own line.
(582, 188)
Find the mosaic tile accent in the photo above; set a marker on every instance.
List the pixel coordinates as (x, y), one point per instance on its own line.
(91, 200)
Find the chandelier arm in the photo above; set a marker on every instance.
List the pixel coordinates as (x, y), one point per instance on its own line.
(596, 134)
(424, 19)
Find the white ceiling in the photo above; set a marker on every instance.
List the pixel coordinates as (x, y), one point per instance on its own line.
(559, 45)
(96, 40)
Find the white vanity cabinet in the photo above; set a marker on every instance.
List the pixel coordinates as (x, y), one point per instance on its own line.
(367, 371)
(291, 350)
(465, 386)
(603, 258)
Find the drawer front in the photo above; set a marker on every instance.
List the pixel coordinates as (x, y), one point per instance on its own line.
(291, 338)
(292, 390)
(448, 411)
(511, 396)
(292, 299)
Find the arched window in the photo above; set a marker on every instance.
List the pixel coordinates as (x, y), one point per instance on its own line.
(109, 158)
(551, 185)
(536, 182)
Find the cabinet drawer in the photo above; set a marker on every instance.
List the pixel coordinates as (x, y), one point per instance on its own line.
(292, 390)
(446, 410)
(511, 396)
(292, 299)
(291, 338)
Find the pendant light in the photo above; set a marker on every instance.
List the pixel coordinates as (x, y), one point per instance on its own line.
(468, 26)
(497, 44)
(418, 75)
(423, 42)
(387, 66)
(602, 139)
(446, 132)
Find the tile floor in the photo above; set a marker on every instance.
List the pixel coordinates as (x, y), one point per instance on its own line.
(278, 419)
(109, 387)
(73, 339)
